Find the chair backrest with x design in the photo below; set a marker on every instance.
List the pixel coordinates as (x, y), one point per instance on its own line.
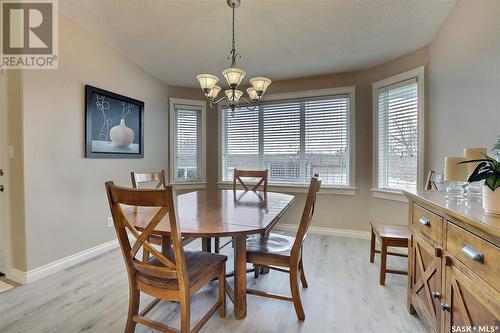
(156, 180)
(261, 175)
(307, 214)
(171, 267)
(432, 179)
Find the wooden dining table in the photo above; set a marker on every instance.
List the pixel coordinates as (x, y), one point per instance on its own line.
(220, 213)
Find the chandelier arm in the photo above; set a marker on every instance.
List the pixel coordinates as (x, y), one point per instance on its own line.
(251, 106)
(215, 103)
(247, 102)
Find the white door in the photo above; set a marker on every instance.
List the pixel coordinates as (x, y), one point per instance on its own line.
(4, 184)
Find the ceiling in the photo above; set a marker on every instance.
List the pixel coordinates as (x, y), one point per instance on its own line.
(175, 40)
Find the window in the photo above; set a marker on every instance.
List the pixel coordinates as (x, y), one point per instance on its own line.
(293, 138)
(397, 104)
(187, 128)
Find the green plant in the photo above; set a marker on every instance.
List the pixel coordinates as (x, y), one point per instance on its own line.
(487, 169)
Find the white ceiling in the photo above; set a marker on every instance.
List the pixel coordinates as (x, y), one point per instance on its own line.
(176, 39)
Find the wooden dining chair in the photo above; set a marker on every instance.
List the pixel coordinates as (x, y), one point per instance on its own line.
(173, 275)
(277, 251)
(432, 179)
(261, 175)
(394, 235)
(239, 175)
(156, 180)
(153, 180)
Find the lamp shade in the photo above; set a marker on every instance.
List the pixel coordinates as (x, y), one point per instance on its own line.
(454, 172)
(233, 96)
(214, 92)
(474, 154)
(207, 82)
(252, 94)
(260, 84)
(233, 76)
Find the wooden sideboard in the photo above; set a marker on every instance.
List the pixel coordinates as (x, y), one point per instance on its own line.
(454, 264)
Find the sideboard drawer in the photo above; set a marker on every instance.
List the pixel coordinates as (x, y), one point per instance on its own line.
(428, 223)
(480, 256)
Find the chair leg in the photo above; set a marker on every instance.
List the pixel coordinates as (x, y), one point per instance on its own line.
(185, 319)
(145, 255)
(217, 244)
(256, 271)
(372, 247)
(133, 309)
(302, 274)
(222, 290)
(383, 261)
(206, 244)
(294, 286)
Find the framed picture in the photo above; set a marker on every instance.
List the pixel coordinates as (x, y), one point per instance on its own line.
(114, 125)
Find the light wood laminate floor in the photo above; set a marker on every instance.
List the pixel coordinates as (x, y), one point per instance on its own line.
(343, 296)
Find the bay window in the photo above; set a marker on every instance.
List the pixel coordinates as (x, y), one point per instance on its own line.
(294, 138)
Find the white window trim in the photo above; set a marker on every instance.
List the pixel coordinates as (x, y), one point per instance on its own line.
(173, 150)
(389, 195)
(295, 188)
(418, 73)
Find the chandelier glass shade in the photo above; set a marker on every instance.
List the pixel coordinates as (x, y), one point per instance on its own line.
(207, 82)
(212, 95)
(233, 96)
(234, 76)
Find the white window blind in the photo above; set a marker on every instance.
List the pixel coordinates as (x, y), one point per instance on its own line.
(187, 144)
(294, 139)
(398, 136)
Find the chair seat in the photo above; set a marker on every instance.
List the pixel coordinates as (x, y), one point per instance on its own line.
(391, 231)
(198, 264)
(274, 244)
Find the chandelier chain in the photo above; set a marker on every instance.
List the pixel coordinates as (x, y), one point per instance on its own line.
(233, 50)
(234, 75)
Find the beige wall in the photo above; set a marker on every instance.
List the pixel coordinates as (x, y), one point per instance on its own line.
(464, 109)
(65, 202)
(15, 119)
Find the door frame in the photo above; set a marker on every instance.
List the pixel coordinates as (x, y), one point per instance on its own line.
(5, 221)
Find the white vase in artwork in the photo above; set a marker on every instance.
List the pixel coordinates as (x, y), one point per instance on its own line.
(121, 135)
(491, 200)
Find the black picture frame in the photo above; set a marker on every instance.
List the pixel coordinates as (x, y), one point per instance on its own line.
(105, 110)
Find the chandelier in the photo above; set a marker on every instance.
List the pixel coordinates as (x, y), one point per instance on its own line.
(233, 97)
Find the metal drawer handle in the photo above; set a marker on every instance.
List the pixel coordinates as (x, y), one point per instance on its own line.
(473, 253)
(436, 294)
(425, 221)
(445, 307)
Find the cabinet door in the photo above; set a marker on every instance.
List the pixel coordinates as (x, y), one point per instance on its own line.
(426, 283)
(468, 305)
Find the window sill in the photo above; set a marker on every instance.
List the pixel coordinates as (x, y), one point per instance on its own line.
(393, 195)
(288, 188)
(190, 186)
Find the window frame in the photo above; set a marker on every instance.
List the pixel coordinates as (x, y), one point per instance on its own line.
(417, 73)
(349, 189)
(202, 183)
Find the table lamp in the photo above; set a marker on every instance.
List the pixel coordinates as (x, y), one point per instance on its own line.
(475, 189)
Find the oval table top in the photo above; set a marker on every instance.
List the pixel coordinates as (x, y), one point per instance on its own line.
(217, 213)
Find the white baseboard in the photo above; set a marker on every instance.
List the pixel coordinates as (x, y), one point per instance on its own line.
(58, 265)
(61, 264)
(326, 231)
